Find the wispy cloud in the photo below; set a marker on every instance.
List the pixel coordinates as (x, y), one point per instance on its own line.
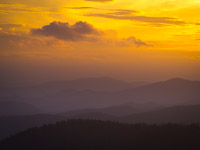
(146, 19)
(81, 7)
(133, 41)
(121, 12)
(9, 27)
(110, 11)
(15, 7)
(102, 1)
(132, 15)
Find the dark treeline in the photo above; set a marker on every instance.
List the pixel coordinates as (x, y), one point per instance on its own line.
(105, 135)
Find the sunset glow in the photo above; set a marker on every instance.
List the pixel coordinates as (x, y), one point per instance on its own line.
(127, 39)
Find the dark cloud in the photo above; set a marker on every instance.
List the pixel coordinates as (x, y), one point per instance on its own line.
(102, 1)
(65, 31)
(133, 41)
(146, 19)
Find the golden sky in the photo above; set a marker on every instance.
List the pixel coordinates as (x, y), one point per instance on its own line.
(127, 39)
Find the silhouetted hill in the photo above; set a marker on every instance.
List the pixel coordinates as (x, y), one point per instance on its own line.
(9, 108)
(176, 114)
(100, 135)
(10, 125)
(13, 124)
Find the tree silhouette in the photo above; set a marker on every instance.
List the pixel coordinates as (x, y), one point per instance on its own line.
(105, 135)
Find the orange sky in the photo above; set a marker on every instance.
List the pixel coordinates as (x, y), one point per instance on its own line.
(126, 39)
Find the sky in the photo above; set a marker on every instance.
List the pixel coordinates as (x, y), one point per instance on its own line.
(126, 39)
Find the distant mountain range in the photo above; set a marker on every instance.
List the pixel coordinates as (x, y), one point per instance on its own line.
(15, 108)
(172, 101)
(94, 84)
(177, 114)
(174, 91)
(96, 93)
(118, 110)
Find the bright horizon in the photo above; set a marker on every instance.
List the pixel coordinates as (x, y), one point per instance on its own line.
(124, 39)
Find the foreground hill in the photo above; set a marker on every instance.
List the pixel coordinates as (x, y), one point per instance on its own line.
(178, 114)
(10, 125)
(100, 135)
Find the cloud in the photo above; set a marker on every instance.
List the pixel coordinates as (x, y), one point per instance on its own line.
(19, 10)
(63, 34)
(9, 27)
(26, 43)
(110, 11)
(152, 20)
(133, 41)
(64, 31)
(101, 1)
(11, 41)
(121, 12)
(80, 7)
(82, 31)
(17, 7)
